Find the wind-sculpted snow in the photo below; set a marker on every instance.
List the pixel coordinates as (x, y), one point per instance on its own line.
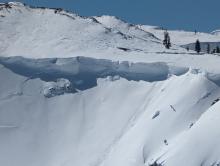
(117, 122)
(122, 99)
(83, 72)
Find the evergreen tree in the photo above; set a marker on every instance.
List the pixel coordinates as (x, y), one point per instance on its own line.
(213, 51)
(166, 41)
(208, 48)
(217, 49)
(197, 46)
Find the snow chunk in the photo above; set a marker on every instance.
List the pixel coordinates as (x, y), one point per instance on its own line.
(113, 78)
(16, 3)
(216, 32)
(60, 87)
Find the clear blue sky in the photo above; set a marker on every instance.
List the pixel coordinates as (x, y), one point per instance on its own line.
(203, 15)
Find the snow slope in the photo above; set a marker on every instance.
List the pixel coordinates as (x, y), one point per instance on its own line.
(40, 32)
(181, 37)
(30, 32)
(97, 91)
(124, 27)
(99, 126)
(216, 32)
(203, 46)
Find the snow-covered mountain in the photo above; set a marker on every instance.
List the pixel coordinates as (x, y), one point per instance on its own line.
(97, 91)
(181, 37)
(187, 39)
(40, 32)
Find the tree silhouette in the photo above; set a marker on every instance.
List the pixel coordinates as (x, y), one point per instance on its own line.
(166, 41)
(213, 51)
(208, 48)
(197, 46)
(217, 49)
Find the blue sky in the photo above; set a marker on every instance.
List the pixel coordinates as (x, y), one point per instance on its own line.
(202, 15)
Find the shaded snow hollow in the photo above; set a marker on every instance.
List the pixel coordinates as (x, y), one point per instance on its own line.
(83, 72)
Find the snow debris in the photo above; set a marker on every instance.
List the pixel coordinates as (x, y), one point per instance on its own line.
(60, 87)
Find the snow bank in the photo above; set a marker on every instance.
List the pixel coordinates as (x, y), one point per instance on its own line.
(83, 72)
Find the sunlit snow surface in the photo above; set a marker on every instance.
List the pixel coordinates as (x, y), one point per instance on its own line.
(98, 91)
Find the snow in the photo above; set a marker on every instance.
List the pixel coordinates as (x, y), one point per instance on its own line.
(181, 37)
(82, 73)
(202, 138)
(96, 126)
(216, 32)
(129, 29)
(98, 91)
(135, 148)
(60, 87)
(31, 32)
(204, 45)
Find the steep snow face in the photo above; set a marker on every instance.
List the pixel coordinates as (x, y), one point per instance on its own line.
(181, 37)
(40, 32)
(118, 122)
(160, 132)
(208, 132)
